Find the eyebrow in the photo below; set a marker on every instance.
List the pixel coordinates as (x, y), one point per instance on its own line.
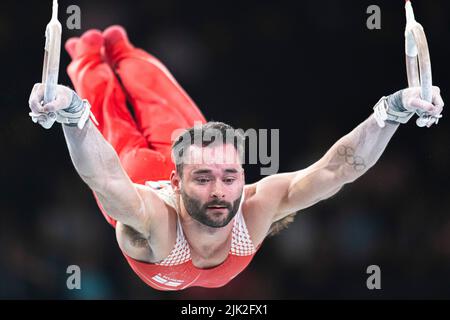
(206, 171)
(231, 171)
(201, 171)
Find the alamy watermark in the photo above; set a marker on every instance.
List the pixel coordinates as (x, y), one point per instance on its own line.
(374, 280)
(259, 146)
(73, 281)
(74, 20)
(374, 20)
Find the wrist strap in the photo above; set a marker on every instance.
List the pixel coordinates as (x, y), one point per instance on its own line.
(78, 118)
(383, 113)
(76, 115)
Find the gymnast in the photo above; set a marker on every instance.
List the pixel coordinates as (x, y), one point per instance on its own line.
(183, 215)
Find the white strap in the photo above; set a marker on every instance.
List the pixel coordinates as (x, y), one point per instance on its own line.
(79, 118)
(383, 113)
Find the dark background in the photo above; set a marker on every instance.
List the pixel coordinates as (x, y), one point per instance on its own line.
(309, 68)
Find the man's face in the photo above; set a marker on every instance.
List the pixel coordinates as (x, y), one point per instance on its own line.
(212, 184)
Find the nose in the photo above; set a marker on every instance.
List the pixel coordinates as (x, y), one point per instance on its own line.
(217, 191)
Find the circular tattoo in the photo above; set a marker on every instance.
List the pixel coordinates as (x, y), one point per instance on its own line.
(348, 153)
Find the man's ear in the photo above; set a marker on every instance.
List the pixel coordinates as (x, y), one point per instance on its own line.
(175, 181)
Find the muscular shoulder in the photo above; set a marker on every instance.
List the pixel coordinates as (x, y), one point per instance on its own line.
(160, 226)
(155, 207)
(262, 201)
(265, 195)
(257, 213)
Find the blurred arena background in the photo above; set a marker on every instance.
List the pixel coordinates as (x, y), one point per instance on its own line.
(311, 69)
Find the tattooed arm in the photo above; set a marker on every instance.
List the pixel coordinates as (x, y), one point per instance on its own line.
(348, 159)
(355, 153)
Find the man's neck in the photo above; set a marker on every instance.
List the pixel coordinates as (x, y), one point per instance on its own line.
(204, 241)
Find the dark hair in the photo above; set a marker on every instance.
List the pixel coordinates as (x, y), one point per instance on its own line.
(280, 225)
(210, 133)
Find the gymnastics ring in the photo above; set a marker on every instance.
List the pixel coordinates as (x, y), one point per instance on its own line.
(418, 63)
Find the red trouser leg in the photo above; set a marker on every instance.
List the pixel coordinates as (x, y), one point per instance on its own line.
(94, 80)
(160, 105)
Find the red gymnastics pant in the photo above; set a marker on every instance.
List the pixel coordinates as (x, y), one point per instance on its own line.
(109, 72)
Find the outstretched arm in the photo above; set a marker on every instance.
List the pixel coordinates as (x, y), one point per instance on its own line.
(97, 162)
(99, 167)
(348, 159)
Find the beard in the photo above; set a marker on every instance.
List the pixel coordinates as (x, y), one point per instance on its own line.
(207, 216)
